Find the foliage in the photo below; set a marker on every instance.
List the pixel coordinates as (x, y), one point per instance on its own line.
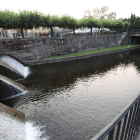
(8, 19)
(53, 21)
(100, 13)
(68, 22)
(98, 19)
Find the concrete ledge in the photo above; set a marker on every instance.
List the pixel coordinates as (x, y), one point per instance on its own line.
(12, 82)
(12, 112)
(35, 62)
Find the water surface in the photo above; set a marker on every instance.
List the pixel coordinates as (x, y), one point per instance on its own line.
(74, 100)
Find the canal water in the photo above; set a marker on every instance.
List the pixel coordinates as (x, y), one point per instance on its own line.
(74, 100)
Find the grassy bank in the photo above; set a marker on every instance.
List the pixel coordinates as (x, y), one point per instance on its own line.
(92, 52)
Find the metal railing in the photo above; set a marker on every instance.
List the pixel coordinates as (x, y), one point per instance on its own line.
(135, 31)
(124, 126)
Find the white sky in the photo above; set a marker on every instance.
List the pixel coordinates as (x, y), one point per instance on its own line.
(75, 8)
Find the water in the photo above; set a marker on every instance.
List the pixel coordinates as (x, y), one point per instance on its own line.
(75, 100)
(9, 125)
(14, 65)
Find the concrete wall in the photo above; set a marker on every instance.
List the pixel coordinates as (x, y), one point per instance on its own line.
(33, 49)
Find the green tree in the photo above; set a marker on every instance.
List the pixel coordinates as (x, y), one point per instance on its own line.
(27, 20)
(126, 25)
(8, 19)
(52, 21)
(68, 22)
(91, 22)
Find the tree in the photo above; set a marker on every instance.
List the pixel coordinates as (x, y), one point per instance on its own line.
(68, 22)
(111, 15)
(134, 22)
(90, 23)
(126, 25)
(27, 20)
(53, 21)
(8, 19)
(100, 13)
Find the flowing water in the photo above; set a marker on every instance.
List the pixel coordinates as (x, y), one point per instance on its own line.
(14, 65)
(74, 100)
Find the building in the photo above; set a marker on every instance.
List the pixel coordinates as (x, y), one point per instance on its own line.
(3, 33)
(12, 33)
(25, 32)
(39, 31)
(8, 33)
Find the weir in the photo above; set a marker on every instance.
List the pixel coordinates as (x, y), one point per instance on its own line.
(17, 88)
(9, 87)
(12, 122)
(14, 65)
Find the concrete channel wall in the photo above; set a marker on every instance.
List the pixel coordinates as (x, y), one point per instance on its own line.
(39, 48)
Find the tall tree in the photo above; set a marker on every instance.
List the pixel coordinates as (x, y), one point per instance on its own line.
(97, 13)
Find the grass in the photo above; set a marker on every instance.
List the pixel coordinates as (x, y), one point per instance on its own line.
(92, 52)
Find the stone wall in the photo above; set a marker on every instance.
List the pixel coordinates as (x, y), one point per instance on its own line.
(39, 48)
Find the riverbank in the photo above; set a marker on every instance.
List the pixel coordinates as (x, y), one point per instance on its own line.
(87, 54)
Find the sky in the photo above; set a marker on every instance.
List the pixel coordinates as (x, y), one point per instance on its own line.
(75, 8)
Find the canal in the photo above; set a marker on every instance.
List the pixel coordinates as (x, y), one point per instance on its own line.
(74, 100)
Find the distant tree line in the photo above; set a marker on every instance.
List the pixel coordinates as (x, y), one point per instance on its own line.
(29, 19)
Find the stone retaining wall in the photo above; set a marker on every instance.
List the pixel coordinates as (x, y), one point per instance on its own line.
(39, 62)
(39, 48)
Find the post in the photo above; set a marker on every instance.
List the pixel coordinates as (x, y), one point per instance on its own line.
(133, 26)
(117, 27)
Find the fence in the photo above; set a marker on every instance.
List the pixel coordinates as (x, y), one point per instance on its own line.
(135, 31)
(125, 125)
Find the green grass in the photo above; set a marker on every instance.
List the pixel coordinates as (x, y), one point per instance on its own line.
(92, 52)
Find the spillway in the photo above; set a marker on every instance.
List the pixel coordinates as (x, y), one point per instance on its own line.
(14, 65)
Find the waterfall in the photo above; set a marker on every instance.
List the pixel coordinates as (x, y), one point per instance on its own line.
(14, 65)
(9, 87)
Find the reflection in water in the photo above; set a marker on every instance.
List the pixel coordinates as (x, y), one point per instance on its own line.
(74, 100)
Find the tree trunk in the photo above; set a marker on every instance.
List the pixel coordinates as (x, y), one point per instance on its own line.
(22, 33)
(51, 32)
(73, 31)
(91, 30)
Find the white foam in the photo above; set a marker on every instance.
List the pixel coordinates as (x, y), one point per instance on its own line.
(11, 128)
(14, 64)
(33, 132)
